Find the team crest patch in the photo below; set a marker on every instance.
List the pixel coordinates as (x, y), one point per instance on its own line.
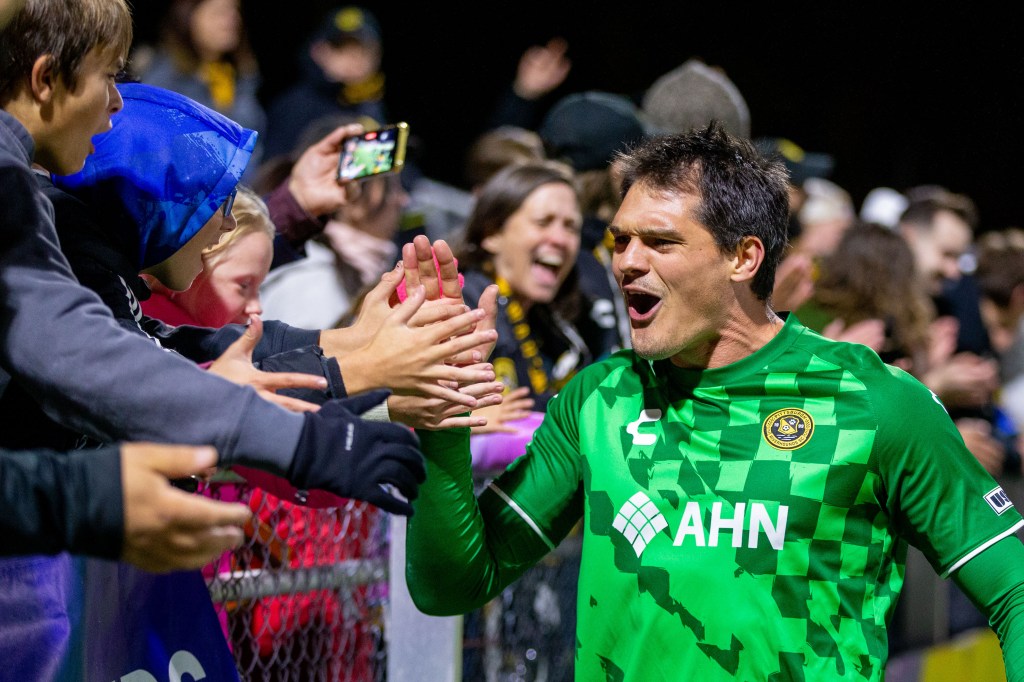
(788, 429)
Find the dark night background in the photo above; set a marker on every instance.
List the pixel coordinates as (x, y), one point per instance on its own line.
(898, 96)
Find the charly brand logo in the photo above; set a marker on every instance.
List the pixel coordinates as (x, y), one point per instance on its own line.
(788, 429)
(998, 500)
(639, 520)
(633, 428)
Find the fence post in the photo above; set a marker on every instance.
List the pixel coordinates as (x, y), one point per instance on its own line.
(420, 647)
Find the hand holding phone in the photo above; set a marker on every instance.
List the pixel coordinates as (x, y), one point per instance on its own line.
(373, 153)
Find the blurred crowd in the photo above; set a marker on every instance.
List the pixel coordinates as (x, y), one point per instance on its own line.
(912, 272)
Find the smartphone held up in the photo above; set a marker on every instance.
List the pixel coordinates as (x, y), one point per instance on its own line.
(373, 153)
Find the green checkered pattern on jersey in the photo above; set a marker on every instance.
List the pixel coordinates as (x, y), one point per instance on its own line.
(711, 449)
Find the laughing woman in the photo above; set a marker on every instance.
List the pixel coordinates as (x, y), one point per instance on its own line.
(524, 235)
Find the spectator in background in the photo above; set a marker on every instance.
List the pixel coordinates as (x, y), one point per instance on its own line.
(690, 96)
(539, 73)
(586, 130)
(356, 246)
(939, 227)
(1001, 280)
(795, 276)
(523, 235)
(204, 54)
(340, 74)
(868, 283)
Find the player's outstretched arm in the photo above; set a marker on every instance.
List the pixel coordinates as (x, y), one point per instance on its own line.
(994, 581)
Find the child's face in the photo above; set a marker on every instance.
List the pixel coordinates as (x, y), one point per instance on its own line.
(78, 115)
(228, 289)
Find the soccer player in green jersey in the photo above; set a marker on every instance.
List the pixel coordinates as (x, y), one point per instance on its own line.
(747, 488)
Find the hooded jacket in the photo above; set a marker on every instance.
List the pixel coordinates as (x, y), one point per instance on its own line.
(166, 166)
(119, 215)
(64, 350)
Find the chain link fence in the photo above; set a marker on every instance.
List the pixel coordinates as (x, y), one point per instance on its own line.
(304, 599)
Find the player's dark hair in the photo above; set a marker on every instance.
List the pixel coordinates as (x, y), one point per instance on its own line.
(741, 192)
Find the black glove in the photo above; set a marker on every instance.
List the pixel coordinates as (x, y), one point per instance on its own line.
(351, 457)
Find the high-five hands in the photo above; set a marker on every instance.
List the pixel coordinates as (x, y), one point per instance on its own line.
(235, 364)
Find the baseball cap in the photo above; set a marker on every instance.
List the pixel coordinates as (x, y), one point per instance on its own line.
(800, 163)
(588, 128)
(349, 23)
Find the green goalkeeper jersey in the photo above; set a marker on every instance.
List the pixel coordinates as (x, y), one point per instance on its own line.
(748, 522)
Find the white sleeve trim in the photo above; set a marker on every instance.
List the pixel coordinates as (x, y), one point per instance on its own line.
(975, 552)
(524, 516)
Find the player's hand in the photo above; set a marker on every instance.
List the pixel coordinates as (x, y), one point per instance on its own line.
(166, 529)
(235, 364)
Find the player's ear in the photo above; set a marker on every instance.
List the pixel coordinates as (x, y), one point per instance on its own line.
(747, 259)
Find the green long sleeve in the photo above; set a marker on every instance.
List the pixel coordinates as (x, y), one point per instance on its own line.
(994, 581)
(459, 555)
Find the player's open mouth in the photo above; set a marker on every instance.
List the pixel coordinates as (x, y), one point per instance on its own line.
(642, 306)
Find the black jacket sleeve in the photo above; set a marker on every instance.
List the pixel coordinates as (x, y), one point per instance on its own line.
(308, 360)
(53, 502)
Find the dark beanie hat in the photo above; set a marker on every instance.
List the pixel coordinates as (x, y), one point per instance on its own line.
(588, 128)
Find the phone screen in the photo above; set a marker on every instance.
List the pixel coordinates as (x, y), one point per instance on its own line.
(374, 152)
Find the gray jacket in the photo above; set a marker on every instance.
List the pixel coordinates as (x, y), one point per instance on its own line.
(61, 343)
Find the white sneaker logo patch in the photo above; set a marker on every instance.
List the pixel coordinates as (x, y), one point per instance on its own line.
(634, 428)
